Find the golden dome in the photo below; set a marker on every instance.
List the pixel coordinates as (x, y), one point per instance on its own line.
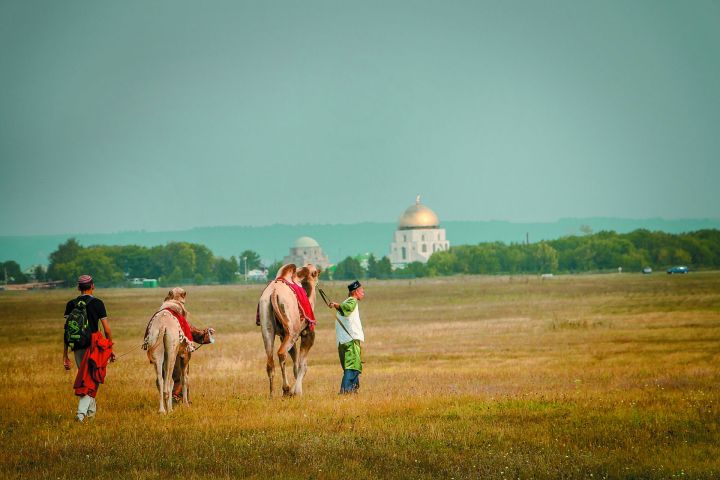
(418, 216)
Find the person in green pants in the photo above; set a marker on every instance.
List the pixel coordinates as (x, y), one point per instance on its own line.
(349, 334)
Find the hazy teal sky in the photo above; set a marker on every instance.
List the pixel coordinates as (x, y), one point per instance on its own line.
(174, 114)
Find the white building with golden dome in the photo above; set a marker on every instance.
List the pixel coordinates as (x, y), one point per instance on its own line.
(417, 237)
(307, 250)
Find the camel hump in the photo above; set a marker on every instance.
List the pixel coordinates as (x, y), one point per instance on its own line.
(287, 271)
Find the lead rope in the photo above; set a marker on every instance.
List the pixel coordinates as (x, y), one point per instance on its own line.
(118, 357)
(324, 297)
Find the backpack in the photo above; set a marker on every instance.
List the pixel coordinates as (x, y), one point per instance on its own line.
(77, 327)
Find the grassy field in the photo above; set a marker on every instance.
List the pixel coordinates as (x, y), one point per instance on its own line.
(608, 376)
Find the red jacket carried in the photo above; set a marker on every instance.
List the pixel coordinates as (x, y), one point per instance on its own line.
(93, 366)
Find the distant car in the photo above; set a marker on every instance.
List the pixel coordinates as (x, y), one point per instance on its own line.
(681, 269)
(647, 270)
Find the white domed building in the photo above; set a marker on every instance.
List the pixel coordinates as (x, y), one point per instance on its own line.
(417, 237)
(307, 250)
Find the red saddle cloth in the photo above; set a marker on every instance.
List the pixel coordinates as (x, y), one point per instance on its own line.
(183, 324)
(93, 366)
(305, 308)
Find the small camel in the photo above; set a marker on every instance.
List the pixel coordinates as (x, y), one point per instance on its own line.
(169, 349)
(280, 315)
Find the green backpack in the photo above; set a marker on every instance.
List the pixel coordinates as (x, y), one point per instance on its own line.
(77, 327)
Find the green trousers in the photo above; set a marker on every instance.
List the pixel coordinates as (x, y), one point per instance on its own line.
(350, 355)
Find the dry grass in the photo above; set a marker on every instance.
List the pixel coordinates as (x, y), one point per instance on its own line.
(488, 377)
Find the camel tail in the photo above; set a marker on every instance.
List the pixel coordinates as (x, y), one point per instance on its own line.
(279, 314)
(158, 341)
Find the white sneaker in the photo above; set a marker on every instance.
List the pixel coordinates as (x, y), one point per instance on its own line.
(79, 418)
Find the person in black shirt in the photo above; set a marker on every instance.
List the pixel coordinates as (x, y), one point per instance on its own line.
(87, 407)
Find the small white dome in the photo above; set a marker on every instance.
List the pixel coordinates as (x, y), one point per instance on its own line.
(305, 242)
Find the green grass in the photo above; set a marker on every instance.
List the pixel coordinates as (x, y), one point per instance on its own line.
(598, 376)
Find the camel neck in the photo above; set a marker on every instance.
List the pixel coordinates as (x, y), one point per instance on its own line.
(310, 290)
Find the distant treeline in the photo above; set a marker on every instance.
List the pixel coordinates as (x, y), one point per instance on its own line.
(602, 251)
(182, 263)
(173, 263)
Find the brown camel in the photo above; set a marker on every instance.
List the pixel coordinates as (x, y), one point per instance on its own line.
(169, 349)
(280, 315)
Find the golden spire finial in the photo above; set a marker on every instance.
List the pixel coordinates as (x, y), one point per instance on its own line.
(417, 200)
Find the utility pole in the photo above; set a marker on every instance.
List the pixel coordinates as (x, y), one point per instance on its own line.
(245, 260)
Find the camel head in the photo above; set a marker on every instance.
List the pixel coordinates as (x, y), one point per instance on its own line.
(308, 275)
(176, 293)
(203, 337)
(175, 300)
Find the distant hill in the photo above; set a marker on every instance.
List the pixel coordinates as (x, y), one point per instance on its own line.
(272, 242)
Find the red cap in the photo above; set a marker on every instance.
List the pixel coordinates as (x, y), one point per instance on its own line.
(84, 280)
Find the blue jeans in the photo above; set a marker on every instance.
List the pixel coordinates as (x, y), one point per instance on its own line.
(350, 381)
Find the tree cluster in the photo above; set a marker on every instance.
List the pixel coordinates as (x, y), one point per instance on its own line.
(601, 251)
(10, 272)
(351, 269)
(183, 263)
(173, 263)
(591, 252)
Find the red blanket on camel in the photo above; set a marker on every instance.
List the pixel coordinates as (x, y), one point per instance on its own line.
(306, 310)
(183, 324)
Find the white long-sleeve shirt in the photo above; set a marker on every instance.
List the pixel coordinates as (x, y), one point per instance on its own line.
(351, 321)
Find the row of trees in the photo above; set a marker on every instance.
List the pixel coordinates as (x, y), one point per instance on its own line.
(601, 251)
(181, 262)
(173, 263)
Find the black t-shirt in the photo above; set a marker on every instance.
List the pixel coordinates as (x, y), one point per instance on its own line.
(95, 310)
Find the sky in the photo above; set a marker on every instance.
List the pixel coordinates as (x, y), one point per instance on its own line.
(163, 115)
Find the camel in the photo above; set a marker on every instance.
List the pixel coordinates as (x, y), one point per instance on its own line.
(169, 349)
(280, 315)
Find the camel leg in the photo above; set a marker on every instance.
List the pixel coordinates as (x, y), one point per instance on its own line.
(270, 367)
(170, 357)
(177, 378)
(306, 343)
(288, 346)
(294, 355)
(268, 333)
(186, 381)
(181, 375)
(282, 356)
(169, 383)
(156, 355)
(159, 379)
